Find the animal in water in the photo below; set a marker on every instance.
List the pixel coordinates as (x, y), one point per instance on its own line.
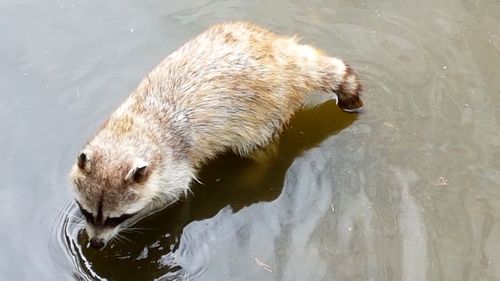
(231, 88)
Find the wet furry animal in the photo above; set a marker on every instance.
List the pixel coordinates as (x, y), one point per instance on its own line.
(233, 87)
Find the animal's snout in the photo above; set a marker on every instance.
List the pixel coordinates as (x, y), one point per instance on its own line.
(97, 243)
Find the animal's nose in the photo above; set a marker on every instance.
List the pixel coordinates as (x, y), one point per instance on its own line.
(96, 243)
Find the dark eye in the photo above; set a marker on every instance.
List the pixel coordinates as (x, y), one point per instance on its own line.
(88, 216)
(116, 221)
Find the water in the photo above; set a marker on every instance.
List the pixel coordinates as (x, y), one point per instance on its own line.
(408, 190)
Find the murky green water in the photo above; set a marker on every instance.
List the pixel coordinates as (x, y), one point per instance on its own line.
(408, 190)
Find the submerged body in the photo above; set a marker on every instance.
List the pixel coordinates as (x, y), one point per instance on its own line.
(233, 87)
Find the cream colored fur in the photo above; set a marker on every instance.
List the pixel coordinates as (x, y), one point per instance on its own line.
(233, 87)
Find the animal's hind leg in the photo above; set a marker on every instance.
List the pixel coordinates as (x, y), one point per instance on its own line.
(348, 91)
(321, 73)
(340, 79)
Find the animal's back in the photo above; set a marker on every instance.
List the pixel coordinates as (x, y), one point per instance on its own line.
(233, 87)
(236, 85)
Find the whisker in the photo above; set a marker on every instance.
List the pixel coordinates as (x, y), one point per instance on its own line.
(125, 238)
(117, 239)
(140, 228)
(122, 239)
(133, 231)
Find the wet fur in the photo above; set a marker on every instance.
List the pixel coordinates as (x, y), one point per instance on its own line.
(233, 87)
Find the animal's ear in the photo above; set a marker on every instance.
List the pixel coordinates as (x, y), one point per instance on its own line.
(138, 172)
(83, 161)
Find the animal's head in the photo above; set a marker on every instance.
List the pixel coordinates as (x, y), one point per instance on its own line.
(114, 189)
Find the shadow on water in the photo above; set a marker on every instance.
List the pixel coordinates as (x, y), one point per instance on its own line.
(229, 180)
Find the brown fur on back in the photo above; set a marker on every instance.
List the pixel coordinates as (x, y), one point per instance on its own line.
(233, 87)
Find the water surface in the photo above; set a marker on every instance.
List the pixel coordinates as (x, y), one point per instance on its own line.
(408, 190)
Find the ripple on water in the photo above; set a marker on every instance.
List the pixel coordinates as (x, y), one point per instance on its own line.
(344, 212)
(157, 254)
(68, 225)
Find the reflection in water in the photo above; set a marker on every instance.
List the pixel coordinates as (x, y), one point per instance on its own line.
(363, 203)
(412, 230)
(179, 241)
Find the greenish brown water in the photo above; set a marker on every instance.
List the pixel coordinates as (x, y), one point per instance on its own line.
(408, 190)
